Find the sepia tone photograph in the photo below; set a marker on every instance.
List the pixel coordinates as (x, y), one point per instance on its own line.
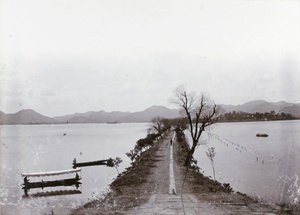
(149, 107)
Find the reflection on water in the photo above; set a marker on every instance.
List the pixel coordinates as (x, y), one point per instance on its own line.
(53, 193)
(265, 167)
(44, 148)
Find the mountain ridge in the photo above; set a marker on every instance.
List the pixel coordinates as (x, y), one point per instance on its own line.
(29, 116)
(263, 106)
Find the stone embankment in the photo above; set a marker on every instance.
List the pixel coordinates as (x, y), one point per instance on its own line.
(154, 185)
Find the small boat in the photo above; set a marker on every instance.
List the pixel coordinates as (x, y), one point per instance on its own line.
(108, 162)
(262, 135)
(52, 173)
(112, 122)
(51, 183)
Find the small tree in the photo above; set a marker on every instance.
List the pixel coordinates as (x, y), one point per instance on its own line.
(160, 125)
(180, 123)
(200, 112)
(157, 124)
(114, 163)
(211, 155)
(141, 145)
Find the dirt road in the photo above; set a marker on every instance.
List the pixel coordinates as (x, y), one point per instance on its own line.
(147, 189)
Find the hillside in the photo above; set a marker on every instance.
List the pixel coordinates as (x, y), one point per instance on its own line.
(92, 117)
(31, 117)
(118, 116)
(27, 116)
(150, 113)
(262, 106)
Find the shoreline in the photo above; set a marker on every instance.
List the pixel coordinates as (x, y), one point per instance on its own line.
(133, 189)
(78, 123)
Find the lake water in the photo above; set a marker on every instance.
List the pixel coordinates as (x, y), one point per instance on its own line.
(40, 148)
(264, 167)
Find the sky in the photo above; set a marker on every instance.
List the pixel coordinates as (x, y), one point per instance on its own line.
(61, 57)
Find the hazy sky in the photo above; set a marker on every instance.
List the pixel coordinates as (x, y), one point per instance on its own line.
(60, 57)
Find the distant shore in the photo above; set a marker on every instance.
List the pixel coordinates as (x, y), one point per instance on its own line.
(251, 111)
(113, 123)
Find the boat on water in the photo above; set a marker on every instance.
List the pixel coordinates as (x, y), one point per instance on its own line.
(262, 135)
(52, 173)
(51, 183)
(112, 122)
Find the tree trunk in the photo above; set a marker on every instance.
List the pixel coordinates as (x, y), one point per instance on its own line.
(190, 154)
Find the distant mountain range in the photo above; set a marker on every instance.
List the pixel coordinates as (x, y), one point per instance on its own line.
(31, 117)
(262, 106)
(118, 116)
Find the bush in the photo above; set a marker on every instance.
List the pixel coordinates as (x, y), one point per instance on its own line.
(142, 144)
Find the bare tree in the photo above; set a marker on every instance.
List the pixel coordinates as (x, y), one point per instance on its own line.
(160, 125)
(200, 112)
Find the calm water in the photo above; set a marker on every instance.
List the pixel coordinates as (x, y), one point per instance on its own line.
(39, 148)
(267, 168)
(262, 167)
